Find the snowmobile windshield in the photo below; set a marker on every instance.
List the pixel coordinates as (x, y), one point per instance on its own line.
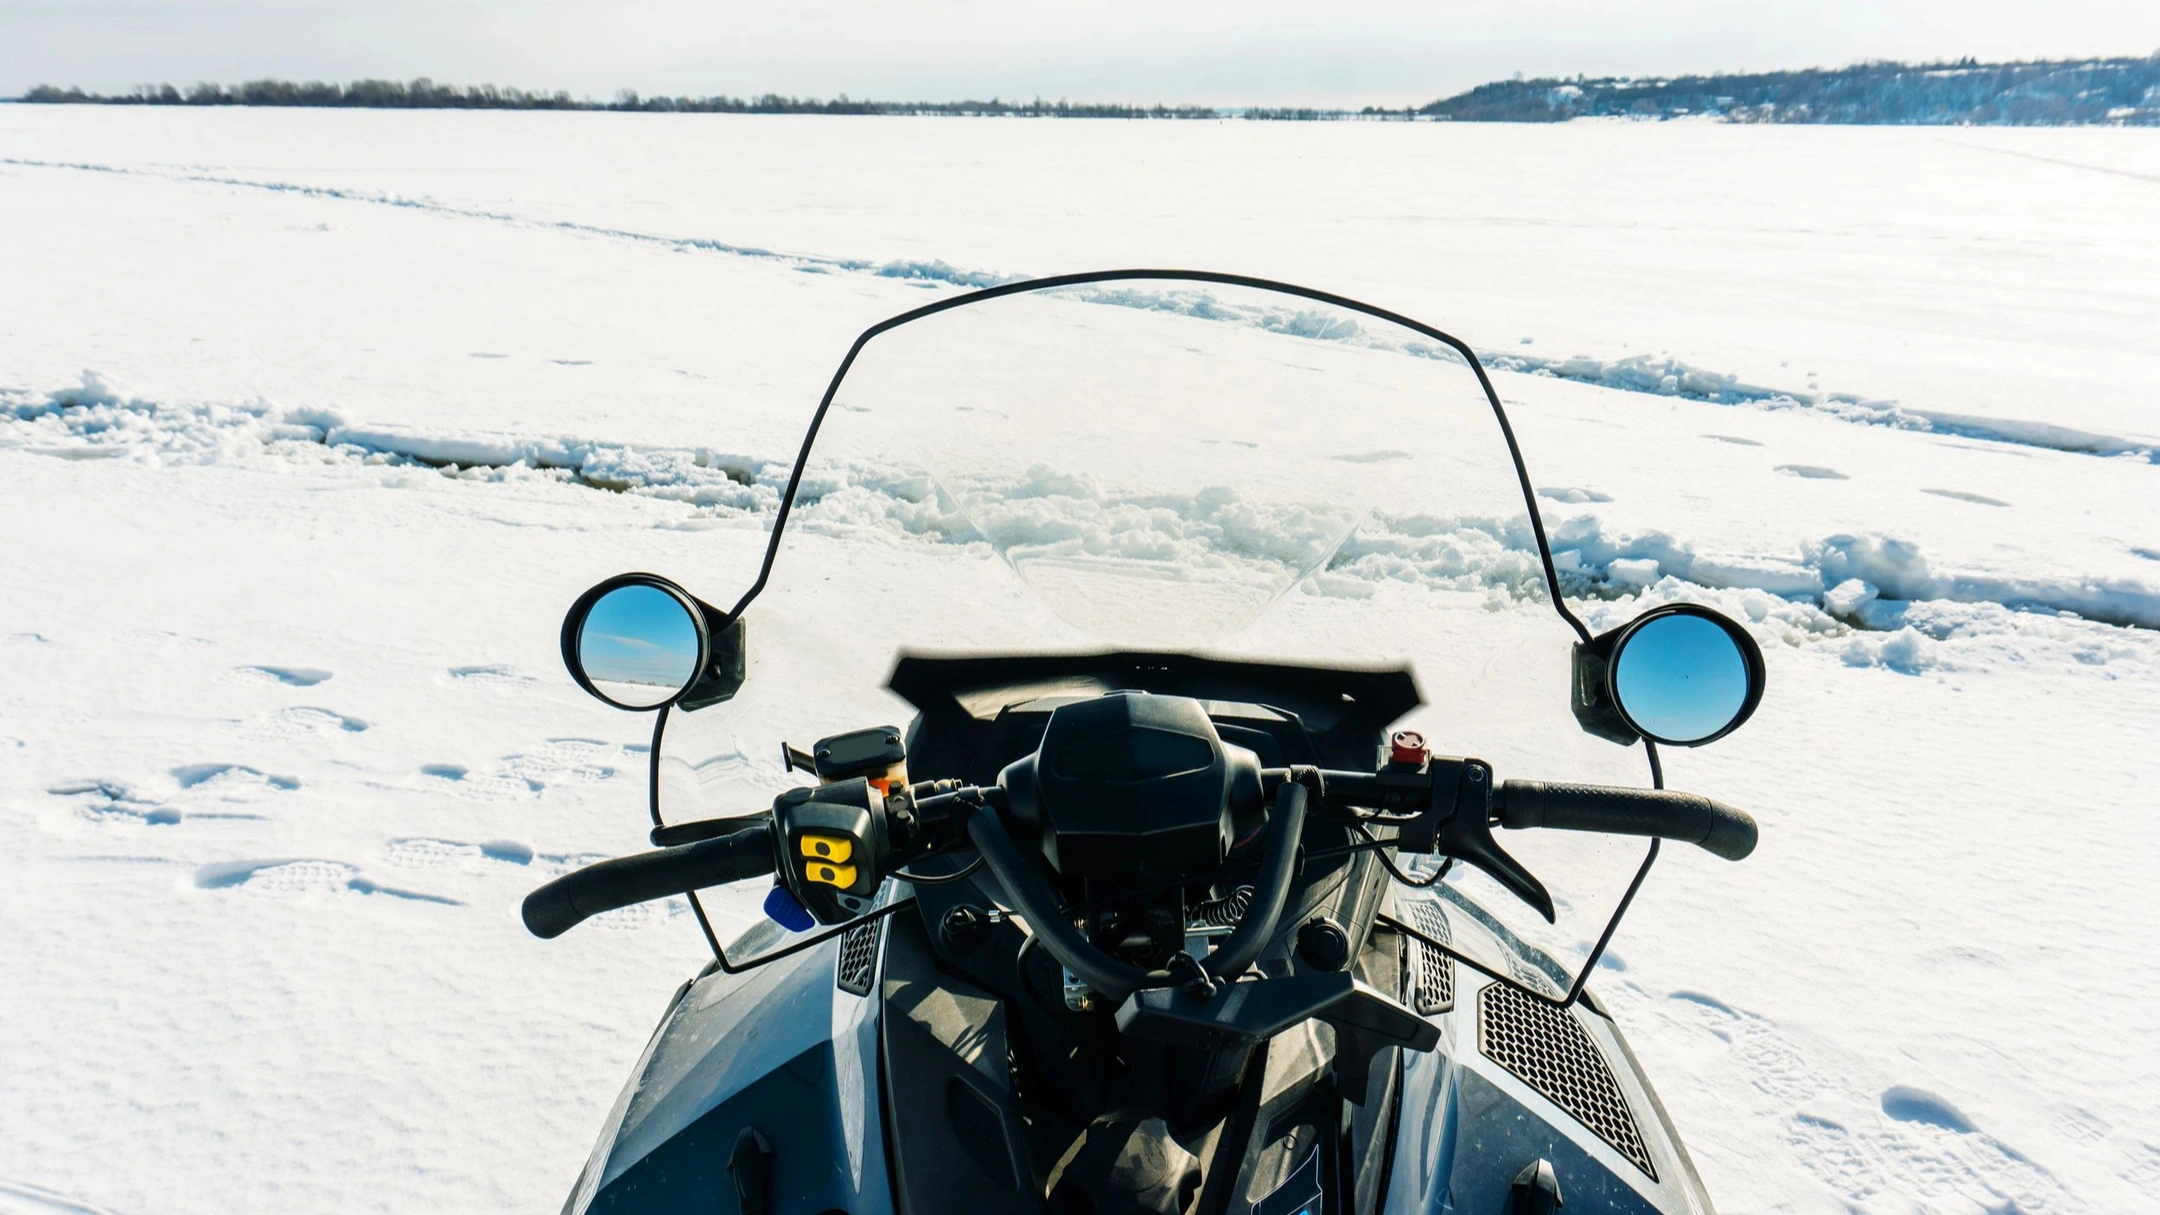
(1178, 464)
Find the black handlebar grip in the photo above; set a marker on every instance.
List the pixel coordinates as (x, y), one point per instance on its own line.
(1688, 817)
(571, 899)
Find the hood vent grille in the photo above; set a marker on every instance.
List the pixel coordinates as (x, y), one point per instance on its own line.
(1548, 1049)
(1435, 970)
(857, 968)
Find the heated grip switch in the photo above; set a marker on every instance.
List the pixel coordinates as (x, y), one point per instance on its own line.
(842, 876)
(833, 838)
(827, 847)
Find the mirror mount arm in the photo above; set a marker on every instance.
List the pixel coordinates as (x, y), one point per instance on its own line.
(723, 676)
(1590, 694)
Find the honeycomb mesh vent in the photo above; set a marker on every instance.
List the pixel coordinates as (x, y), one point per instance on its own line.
(858, 960)
(1435, 970)
(1547, 1049)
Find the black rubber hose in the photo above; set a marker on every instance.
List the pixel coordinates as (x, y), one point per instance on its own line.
(1688, 817)
(1032, 898)
(571, 899)
(1278, 865)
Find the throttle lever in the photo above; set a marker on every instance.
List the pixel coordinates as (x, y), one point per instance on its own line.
(1457, 821)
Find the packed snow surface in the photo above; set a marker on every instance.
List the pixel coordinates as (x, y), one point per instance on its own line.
(311, 423)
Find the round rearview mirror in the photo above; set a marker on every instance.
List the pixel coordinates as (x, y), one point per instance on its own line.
(1685, 675)
(636, 641)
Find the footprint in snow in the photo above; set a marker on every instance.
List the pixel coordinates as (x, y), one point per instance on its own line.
(2150, 554)
(561, 761)
(571, 362)
(2081, 1126)
(109, 802)
(299, 879)
(231, 777)
(481, 786)
(1813, 472)
(291, 677)
(1736, 440)
(424, 853)
(1919, 1146)
(1907, 1104)
(162, 638)
(490, 674)
(2144, 1176)
(568, 761)
(301, 721)
(486, 354)
(555, 864)
(1962, 496)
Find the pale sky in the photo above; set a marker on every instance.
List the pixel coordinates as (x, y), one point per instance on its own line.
(1227, 52)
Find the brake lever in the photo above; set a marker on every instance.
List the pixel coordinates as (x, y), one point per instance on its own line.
(672, 834)
(1457, 821)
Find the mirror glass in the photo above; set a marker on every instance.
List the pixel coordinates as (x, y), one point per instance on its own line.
(639, 646)
(1680, 678)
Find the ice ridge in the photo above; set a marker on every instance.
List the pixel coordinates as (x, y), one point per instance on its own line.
(1829, 586)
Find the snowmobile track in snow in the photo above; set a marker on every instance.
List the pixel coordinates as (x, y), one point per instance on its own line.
(1655, 375)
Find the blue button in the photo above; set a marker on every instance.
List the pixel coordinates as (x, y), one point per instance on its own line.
(786, 912)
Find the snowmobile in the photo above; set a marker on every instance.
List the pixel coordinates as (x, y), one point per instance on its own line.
(1230, 642)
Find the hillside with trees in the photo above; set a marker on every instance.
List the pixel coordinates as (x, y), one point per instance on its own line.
(2067, 93)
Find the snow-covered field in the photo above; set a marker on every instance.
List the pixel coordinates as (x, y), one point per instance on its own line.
(284, 737)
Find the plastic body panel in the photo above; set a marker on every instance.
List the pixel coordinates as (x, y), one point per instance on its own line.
(814, 1069)
(1467, 1127)
(958, 1137)
(780, 1048)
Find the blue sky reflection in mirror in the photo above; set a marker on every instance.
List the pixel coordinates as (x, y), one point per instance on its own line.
(1681, 678)
(639, 645)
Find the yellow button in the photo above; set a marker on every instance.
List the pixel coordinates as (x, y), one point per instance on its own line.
(827, 847)
(842, 876)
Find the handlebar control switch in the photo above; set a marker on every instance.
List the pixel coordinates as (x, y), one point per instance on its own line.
(834, 847)
(1407, 749)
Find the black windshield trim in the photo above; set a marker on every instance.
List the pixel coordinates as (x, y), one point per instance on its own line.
(1024, 286)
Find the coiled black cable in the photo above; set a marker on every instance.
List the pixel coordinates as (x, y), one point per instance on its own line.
(1225, 911)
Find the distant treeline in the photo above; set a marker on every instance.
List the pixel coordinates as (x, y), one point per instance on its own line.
(2064, 93)
(1301, 114)
(425, 94)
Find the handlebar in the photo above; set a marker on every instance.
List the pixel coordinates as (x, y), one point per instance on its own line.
(1688, 817)
(575, 897)
(752, 851)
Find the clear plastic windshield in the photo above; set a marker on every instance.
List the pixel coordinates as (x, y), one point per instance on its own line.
(1184, 466)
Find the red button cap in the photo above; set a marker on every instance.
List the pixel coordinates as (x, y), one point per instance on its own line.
(1408, 747)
